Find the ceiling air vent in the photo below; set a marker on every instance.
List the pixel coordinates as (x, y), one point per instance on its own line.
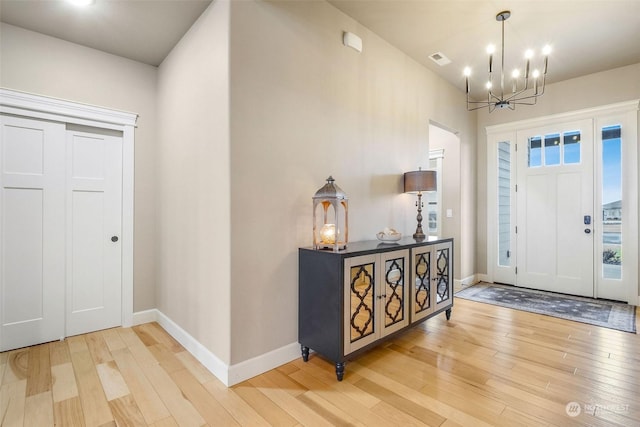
(439, 58)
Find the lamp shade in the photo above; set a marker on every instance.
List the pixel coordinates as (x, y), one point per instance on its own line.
(420, 180)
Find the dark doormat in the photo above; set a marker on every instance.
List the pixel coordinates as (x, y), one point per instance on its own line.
(609, 314)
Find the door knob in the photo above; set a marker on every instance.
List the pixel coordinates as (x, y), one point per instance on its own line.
(587, 230)
(114, 239)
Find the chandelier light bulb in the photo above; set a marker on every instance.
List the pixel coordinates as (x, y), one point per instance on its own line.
(536, 74)
(488, 85)
(546, 50)
(491, 49)
(467, 73)
(528, 54)
(514, 84)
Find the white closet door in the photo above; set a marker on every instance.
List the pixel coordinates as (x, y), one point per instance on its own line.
(94, 218)
(32, 235)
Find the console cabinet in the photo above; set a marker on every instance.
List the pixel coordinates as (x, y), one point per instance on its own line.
(352, 299)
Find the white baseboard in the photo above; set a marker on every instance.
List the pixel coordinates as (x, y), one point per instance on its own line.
(229, 375)
(210, 361)
(467, 281)
(483, 278)
(265, 362)
(146, 316)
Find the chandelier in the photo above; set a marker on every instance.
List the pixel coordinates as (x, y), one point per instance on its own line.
(524, 88)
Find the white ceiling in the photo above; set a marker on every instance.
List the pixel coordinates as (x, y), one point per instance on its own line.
(587, 36)
(142, 30)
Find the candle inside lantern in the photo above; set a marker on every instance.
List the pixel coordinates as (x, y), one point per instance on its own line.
(328, 234)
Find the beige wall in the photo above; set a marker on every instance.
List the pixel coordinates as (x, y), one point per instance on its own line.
(193, 186)
(617, 85)
(32, 62)
(247, 129)
(304, 107)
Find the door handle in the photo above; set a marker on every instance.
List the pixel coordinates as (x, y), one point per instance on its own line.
(114, 239)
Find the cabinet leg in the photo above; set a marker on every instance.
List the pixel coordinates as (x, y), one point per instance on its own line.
(305, 353)
(340, 370)
(448, 313)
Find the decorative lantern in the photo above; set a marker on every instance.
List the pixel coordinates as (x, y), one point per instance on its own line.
(330, 225)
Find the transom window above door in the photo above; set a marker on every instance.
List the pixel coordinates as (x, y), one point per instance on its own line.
(554, 149)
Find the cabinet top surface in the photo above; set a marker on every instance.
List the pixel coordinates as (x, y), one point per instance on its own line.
(358, 248)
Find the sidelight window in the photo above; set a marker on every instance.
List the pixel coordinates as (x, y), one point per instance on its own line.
(611, 186)
(504, 203)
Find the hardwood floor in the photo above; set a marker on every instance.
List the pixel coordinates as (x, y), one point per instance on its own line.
(487, 366)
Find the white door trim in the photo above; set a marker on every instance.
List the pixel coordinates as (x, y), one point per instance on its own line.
(588, 113)
(43, 107)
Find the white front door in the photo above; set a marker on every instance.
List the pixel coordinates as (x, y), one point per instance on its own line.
(32, 208)
(61, 221)
(550, 176)
(555, 208)
(94, 207)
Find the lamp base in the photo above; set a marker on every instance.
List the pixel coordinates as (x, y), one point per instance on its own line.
(419, 234)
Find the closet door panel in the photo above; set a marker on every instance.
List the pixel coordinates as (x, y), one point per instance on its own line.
(23, 247)
(32, 158)
(88, 247)
(94, 283)
(22, 148)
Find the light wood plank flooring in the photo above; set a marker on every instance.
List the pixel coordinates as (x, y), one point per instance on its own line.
(487, 366)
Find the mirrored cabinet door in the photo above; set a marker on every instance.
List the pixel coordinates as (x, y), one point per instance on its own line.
(375, 296)
(421, 275)
(394, 292)
(360, 302)
(443, 289)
